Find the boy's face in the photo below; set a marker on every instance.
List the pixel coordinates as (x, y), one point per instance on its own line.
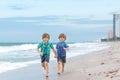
(62, 39)
(46, 39)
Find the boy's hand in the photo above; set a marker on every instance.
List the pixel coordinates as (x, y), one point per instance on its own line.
(41, 53)
(55, 54)
(65, 48)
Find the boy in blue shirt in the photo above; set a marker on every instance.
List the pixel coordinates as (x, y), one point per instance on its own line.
(44, 50)
(61, 52)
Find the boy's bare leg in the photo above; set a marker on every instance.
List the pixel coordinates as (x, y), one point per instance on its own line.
(63, 67)
(43, 65)
(59, 67)
(46, 68)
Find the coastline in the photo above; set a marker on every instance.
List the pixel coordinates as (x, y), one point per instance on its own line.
(99, 65)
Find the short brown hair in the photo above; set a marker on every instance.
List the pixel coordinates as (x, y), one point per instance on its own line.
(46, 35)
(62, 35)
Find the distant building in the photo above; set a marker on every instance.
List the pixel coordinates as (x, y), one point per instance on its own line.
(110, 34)
(114, 35)
(116, 25)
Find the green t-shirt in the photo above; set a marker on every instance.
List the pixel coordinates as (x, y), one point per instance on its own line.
(45, 48)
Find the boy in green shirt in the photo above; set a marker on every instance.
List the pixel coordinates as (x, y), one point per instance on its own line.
(44, 50)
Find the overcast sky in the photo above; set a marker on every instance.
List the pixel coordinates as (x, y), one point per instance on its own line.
(80, 20)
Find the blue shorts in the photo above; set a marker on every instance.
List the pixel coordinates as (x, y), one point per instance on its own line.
(61, 59)
(45, 59)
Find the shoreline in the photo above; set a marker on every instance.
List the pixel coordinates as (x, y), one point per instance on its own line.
(98, 65)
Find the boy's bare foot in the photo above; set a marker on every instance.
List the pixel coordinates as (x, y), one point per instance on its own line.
(46, 74)
(58, 73)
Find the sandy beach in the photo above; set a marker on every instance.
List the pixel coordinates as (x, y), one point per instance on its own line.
(100, 65)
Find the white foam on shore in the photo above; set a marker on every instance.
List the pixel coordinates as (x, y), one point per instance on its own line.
(17, 48)
(75, 50)
(8, 66)
(85, 48)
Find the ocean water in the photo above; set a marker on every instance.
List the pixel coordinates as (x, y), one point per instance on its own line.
(18, 55)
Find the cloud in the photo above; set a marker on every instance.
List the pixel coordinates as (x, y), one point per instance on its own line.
(67, 21)
(90, 21)
(18, 7)
(88, 26)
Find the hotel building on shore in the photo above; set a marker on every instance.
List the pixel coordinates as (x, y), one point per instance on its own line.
(116, 25)
(114, 34)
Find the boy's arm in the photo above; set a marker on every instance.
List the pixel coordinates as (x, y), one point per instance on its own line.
(41, 53)
(66, 47)
(38, 50)
(55, 53)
